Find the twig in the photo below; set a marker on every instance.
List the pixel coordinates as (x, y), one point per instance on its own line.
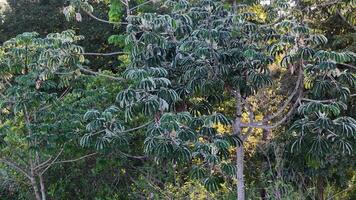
(347, 65)
(75, 160)
(276, 124)
(135, 7)
(103, 54)
(136, 128)
(297, 85)
(16, 167)
(100, 74)
(345, 20)
(102, 20)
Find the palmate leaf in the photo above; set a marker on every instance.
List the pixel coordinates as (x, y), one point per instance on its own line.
(150, 144)
(136, 74)
(147, 84)
(163, 149)
(187, 135)
(323, 121)
(169, 95)
(91, 114)
(345, 146)
(321, 87)
(319, 145)
(348, 78)
(151, 106)
(346, 126)
(326, 65)
(228, 168)
(207, 131)
(213, 183)
(306, 53)
(318, 39)
(216, 118)
(197, 172)
(126, 97)
(221, 144)
(182, 154)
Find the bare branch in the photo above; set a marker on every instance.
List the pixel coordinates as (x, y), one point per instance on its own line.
(102, 20)
(142, 4)
(286, 103)
(76, 159)
(324, 100)
(347, 65)
(136, 128)
(276, 124)
(100, 74)
(345, 20)
(45, 164)
(131, 156)
(16, 167)
(251, 119)
(103, 54)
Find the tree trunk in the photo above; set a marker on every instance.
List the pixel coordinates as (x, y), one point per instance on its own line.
(319, 195)
(43, 188)
(35, 188)
(240, 173)
(240, 149)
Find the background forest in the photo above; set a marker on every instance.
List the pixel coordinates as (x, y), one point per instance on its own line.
(177, 99)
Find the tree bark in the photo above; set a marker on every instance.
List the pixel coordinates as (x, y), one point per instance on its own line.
(34, 185)
(240, 149)
(319, 189)
(240, 172)
(43, 188)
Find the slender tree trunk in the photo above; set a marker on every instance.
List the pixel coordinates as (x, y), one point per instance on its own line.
(34, 184)
(240, 172)
(240, 150)
(319, 189)
(43, 188)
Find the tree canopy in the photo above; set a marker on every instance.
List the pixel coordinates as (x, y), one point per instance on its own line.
(235, 100)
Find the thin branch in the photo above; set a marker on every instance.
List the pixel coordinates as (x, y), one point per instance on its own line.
(53, 161)
(136, 128)
(320, 101)
(142, 4)
(286, 103)
(75, 160)
(131, 156)
(102, 20)
(324, 100)
(347, 65)
(345, 20)
(313, 7)
(45, 164)
(103, 54)
(251, 119)
(100, 74)
(276, 124)
(16, 167)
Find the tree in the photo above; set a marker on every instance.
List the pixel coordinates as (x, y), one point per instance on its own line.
(35, 76)
(186, 61)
